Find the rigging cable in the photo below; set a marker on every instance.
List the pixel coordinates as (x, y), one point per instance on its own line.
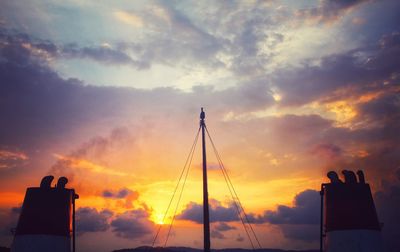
(226, 176)
(180, 195)
(234, 201)
(190, 156)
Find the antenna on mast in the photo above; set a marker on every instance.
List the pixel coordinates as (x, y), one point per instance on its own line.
(206, 215)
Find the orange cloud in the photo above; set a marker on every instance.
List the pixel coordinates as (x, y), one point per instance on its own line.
(87, 165)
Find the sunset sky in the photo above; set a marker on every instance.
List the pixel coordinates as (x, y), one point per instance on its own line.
(108, 94)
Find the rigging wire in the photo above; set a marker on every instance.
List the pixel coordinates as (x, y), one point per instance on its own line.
(180, 195)
(235, 197)
(228, 180)
(238, 210)
(177, 185)
(235, 204)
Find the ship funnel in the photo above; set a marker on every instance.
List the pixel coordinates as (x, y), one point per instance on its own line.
(46, 222)
(350, 221)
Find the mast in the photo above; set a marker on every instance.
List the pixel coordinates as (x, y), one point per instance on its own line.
(206, 215)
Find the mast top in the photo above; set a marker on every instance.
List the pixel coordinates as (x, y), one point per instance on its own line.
(202, 115)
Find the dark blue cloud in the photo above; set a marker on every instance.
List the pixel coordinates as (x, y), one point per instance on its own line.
(218, 213)
(45, 50)
(299, 222)
(364, 69)
(101, 54)
(218, 229)
(132, 224)
(304, 212)
(120, 194)
(222, 226)
(383, 110)
(90, 220)
(329, 10)
(215, 234)
(378, 18)
(34, 95)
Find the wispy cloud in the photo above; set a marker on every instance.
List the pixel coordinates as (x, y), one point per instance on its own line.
(76, 163)
(129, 18)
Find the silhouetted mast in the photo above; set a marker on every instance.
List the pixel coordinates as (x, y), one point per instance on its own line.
(206, 216)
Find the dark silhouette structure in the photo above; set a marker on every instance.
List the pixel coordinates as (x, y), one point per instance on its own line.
(47, 220)
(46, 182)
(349, 221)
(206, 215)
(332, 175)
(349, 177)
(62, 181)
(361, 178)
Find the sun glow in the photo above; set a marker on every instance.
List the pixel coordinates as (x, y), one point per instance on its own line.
(158, 218)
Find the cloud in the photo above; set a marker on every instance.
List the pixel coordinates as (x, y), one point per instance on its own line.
(305, 211)
(222, 226)
(24, 79)
(62, 115)
(218, 229)
(354, 71)
(10, 155)
(90, 220)
(173, 36)
(8, 220)
(71, 163)
(299, 222)
(125, 197)
(12, 159)
(129, 18)
(307, 233)
(51, 104)
(46, 51)
(381, 111)
(101, 156)
(132, 224)
(329, 10)
(102, 54)
(217, 235)
(218, 213)
(376, 151)
(189, 44)
(122, 193)
(329, 151)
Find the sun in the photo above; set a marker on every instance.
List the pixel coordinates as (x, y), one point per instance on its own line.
(158, 218)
